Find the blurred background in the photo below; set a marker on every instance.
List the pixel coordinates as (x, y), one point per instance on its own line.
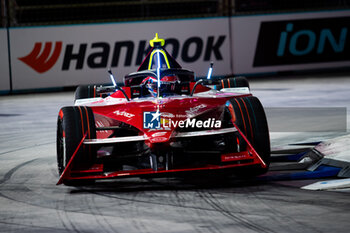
(65, 43)
(16, 13)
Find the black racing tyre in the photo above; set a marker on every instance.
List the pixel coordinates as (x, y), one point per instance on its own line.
(72, 124)
(232, 82)
(90, 91)
(85, 91)
(251, 120)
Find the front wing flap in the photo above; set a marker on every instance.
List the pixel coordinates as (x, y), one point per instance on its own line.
(95, 171)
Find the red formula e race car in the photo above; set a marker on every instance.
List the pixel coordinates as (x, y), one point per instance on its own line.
(161, 122)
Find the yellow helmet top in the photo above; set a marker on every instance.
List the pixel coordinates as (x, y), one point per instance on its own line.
(156, 41)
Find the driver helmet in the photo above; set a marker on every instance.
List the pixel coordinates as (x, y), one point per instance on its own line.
(167, 85)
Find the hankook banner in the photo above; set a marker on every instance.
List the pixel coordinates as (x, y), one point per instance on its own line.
(71, 55)
(4, 62)
(289, 42)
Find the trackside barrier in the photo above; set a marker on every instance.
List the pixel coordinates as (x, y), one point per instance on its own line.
(58, 56)
(290, 42)
(4, 63)
(81, 54)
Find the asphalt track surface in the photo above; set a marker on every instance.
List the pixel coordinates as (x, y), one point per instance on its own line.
(31, 202)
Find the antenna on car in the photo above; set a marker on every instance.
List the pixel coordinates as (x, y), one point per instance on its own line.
(112, 77)
(115, 84)
(210, 71)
